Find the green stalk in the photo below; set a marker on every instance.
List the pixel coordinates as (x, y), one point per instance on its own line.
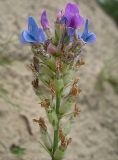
(56, 132)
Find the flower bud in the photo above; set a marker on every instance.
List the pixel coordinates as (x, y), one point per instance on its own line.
(51, 49)
(44, 20)
(59, 15)
(57, 33)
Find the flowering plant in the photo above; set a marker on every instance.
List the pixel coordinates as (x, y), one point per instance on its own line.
(56, 60)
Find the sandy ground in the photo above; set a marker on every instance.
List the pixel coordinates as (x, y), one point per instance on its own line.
(95, 134)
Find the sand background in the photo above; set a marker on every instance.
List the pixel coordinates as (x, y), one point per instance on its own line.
(95, 133)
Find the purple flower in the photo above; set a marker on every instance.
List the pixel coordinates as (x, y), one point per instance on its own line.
(34, 34)
(44, 20)
(87, 37)
(72, 16)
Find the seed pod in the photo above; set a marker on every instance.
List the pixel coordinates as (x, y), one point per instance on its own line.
(65, 106)
(66, 91)
(52, 118)
(59, 153)
(68, 126)
(68, 76)
(46, 139)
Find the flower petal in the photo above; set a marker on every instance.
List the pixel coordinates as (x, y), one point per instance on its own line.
(32, 27)
(80, 21)
(85, 33)
(91, 37)
(71, 9)
(87, 37)
(27, 38)
(75, 21)
(22, 40)
(42, 36)
(44, 20)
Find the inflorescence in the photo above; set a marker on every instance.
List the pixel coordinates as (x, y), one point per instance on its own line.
(56, 60)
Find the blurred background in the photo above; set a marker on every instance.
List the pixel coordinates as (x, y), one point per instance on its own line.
(95, 134)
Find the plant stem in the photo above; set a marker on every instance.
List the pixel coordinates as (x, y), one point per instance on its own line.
(57, 103)
(56, 138)
(56, 132)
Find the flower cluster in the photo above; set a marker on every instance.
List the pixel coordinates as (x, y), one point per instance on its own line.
(55, 63)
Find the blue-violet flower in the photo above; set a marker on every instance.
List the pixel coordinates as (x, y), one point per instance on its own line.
(87, 37)
(34, 34)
